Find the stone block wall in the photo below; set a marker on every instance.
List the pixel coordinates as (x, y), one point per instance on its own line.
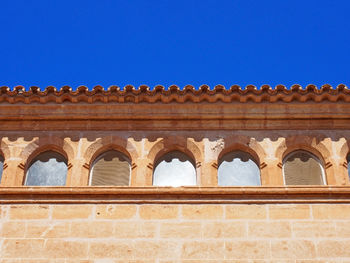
(174, 233)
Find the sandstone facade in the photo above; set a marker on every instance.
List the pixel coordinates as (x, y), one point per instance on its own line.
(205, 223)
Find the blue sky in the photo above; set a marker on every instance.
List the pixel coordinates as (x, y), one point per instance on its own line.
(105, 42)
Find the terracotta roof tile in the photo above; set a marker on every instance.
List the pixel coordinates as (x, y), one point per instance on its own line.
(160, 94)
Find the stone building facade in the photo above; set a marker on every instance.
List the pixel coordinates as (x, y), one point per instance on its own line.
(285, 217)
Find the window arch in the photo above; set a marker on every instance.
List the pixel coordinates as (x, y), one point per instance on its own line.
(111, 168)
(1, 166)
(174, 169)
(238, 168)
(47, 169)
(303, 168)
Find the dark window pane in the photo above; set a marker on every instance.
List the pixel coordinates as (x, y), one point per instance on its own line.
(238, 169)
(174, 169)
(302, 168)
(111, 168)
(47, 169)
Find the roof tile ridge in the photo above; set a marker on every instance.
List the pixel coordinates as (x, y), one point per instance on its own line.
(280, 89)
(205, 89)
(235, 89)
(221, 89)
(49, 90)
(155, 94)
(4, 90)
(113, 89)
(311, 88)
(98, 89)
(65, 89)
(158, 88)
(205, 94)
(35, 90)
(144, 89)
(295, 88)
(175, 94)
(82, 90)
(327, 88)
(127, 90)
(189, 90)
(19, 90)
(343, 93)
(342, 88)
(266, 89)
(251, 89)
(174, 89)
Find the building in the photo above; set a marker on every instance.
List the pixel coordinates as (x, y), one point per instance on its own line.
(170, 175)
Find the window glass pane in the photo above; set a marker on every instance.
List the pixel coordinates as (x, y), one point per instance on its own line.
(302, 168)
(174, 169)
(47, 169)
(111, 168)
(1, 166)
(238, 169)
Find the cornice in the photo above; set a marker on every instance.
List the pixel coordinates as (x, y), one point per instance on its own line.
(159, 94)
(180, 195)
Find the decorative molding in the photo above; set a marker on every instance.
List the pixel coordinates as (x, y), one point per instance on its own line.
(133, 166)
(130, 94)
(280, 165)
(69, 166)
(21, 166)
(150, 166)
(263, 165)
(165, 116)
(86, 165)
(198, 164)
(178, 195)
(4, 166)
(328, 165)
(215, 165)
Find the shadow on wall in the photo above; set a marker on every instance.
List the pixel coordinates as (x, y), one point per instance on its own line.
(197, 136)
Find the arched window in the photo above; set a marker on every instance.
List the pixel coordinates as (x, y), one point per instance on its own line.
(174, 169)
(238, 169)
(302, 168)
(111, 168)
(47, 169)
(1, 166)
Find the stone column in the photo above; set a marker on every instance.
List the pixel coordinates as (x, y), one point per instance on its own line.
(141, 172)
(271, 172)
(78, 173)
(270, 164)
(337, 167)
(210, 174)
(13, 172)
